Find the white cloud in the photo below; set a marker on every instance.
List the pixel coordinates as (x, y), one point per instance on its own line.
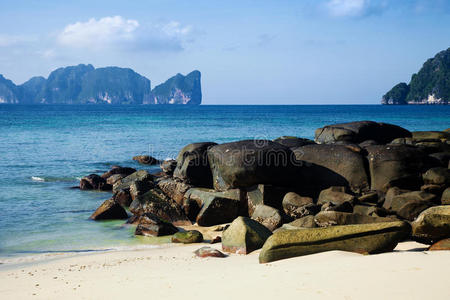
(98, 33)
(347, 8)
(175, 29)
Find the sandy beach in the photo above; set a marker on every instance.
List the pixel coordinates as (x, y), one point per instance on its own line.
(171, 272)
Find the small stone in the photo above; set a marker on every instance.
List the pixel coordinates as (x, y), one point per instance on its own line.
(209, 252)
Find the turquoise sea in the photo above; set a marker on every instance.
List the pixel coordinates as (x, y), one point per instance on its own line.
(44, 150)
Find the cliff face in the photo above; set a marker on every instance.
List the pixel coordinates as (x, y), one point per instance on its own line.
(84, 84)
(179, 90)
(431, 85)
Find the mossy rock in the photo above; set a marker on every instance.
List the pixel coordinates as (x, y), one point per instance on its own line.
(188, 237)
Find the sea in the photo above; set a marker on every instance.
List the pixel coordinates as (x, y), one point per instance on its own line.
(46, 149)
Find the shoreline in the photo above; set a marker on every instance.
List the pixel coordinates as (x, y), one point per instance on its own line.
(174, 270)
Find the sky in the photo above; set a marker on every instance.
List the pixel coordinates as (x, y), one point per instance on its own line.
(249, 52)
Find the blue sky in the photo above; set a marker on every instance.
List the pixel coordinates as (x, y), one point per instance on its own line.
(249, 52)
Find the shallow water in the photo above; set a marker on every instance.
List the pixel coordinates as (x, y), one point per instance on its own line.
(46, 149)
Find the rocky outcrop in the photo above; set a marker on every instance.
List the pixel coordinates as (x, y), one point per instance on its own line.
(432, 225)
(109, 210)
(146, 160)
(367, 238)
(94, 182)
(244, 236)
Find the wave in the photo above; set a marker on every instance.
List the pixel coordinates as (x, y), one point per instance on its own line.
(55, 179)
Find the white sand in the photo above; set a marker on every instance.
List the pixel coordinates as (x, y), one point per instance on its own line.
(175, 273)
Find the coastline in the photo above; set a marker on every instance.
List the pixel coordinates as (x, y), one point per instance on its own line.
(174, 271)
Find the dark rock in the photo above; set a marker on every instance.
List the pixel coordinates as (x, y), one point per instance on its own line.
(335, 195)
(333, 165)
(111, 180)
(267, 216)
(441, 245)
(139, 187)
(188, 237)
(109, 210)
(343, 207)
(445, 199)
(247, 163)
(366, 238)
(146, 160)
(193, 165)
(244, 236)
(216, 240)
(437, 176)
(410, 205)
(430, 135)
(357, 132)
(369, 197)
(394, 162)
(116, 170)
(297, 206)
(125, 183)
(209, 252)
(152, 225)
(123, 197)
(208, 207)
(94, 182)
(443, 158)
(435, 189)
(304, 222)
(368, 143)
(157, 203)
(432, 225)
(369, 211)
(174, 188)
(265, 194)
(331, 218)
(293, 142)
(169, 166)
(390, 194)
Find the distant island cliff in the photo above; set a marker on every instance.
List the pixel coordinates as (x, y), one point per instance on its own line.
(84, 84)
(431, 85)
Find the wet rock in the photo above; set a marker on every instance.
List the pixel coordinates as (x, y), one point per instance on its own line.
(146, 160)
(246, 163)
(333, 165)
(366, 238)
(244, 236)
(123, 198)
(111, 180)
(139, 187)
(152, 225)
(293, 142)
(441, 245)
(432, 225)
(109, 210)
(437, 176)
(157, 203)
(392, 163)
(188, 237)
(297, 206)
(94, 182)
(169, 166)
(209, 207)
(118, 170)
(174, 188)
(267, 216)
(209, 252)
(357, 132)
(125, 183)
(331, 218)
(193, 165)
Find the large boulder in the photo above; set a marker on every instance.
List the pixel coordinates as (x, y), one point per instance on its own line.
(409, 205)
(334, 165)
(146, 160)
(366, 238)
(109, 210)
(125, 183)
(208, 207)
(157, 203)
(297, 206)
(193, 165)
(331, 218)
(139, 187)
(174, 188)
(244, 235)
(265, 194)
(267, 216)
(432, 225)
(437, 175)
(152, 225)
(246, 163)
(94, 182)
(395, 165)
(357, 132)
(169, 166)
(293, 142)
(188, 237)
